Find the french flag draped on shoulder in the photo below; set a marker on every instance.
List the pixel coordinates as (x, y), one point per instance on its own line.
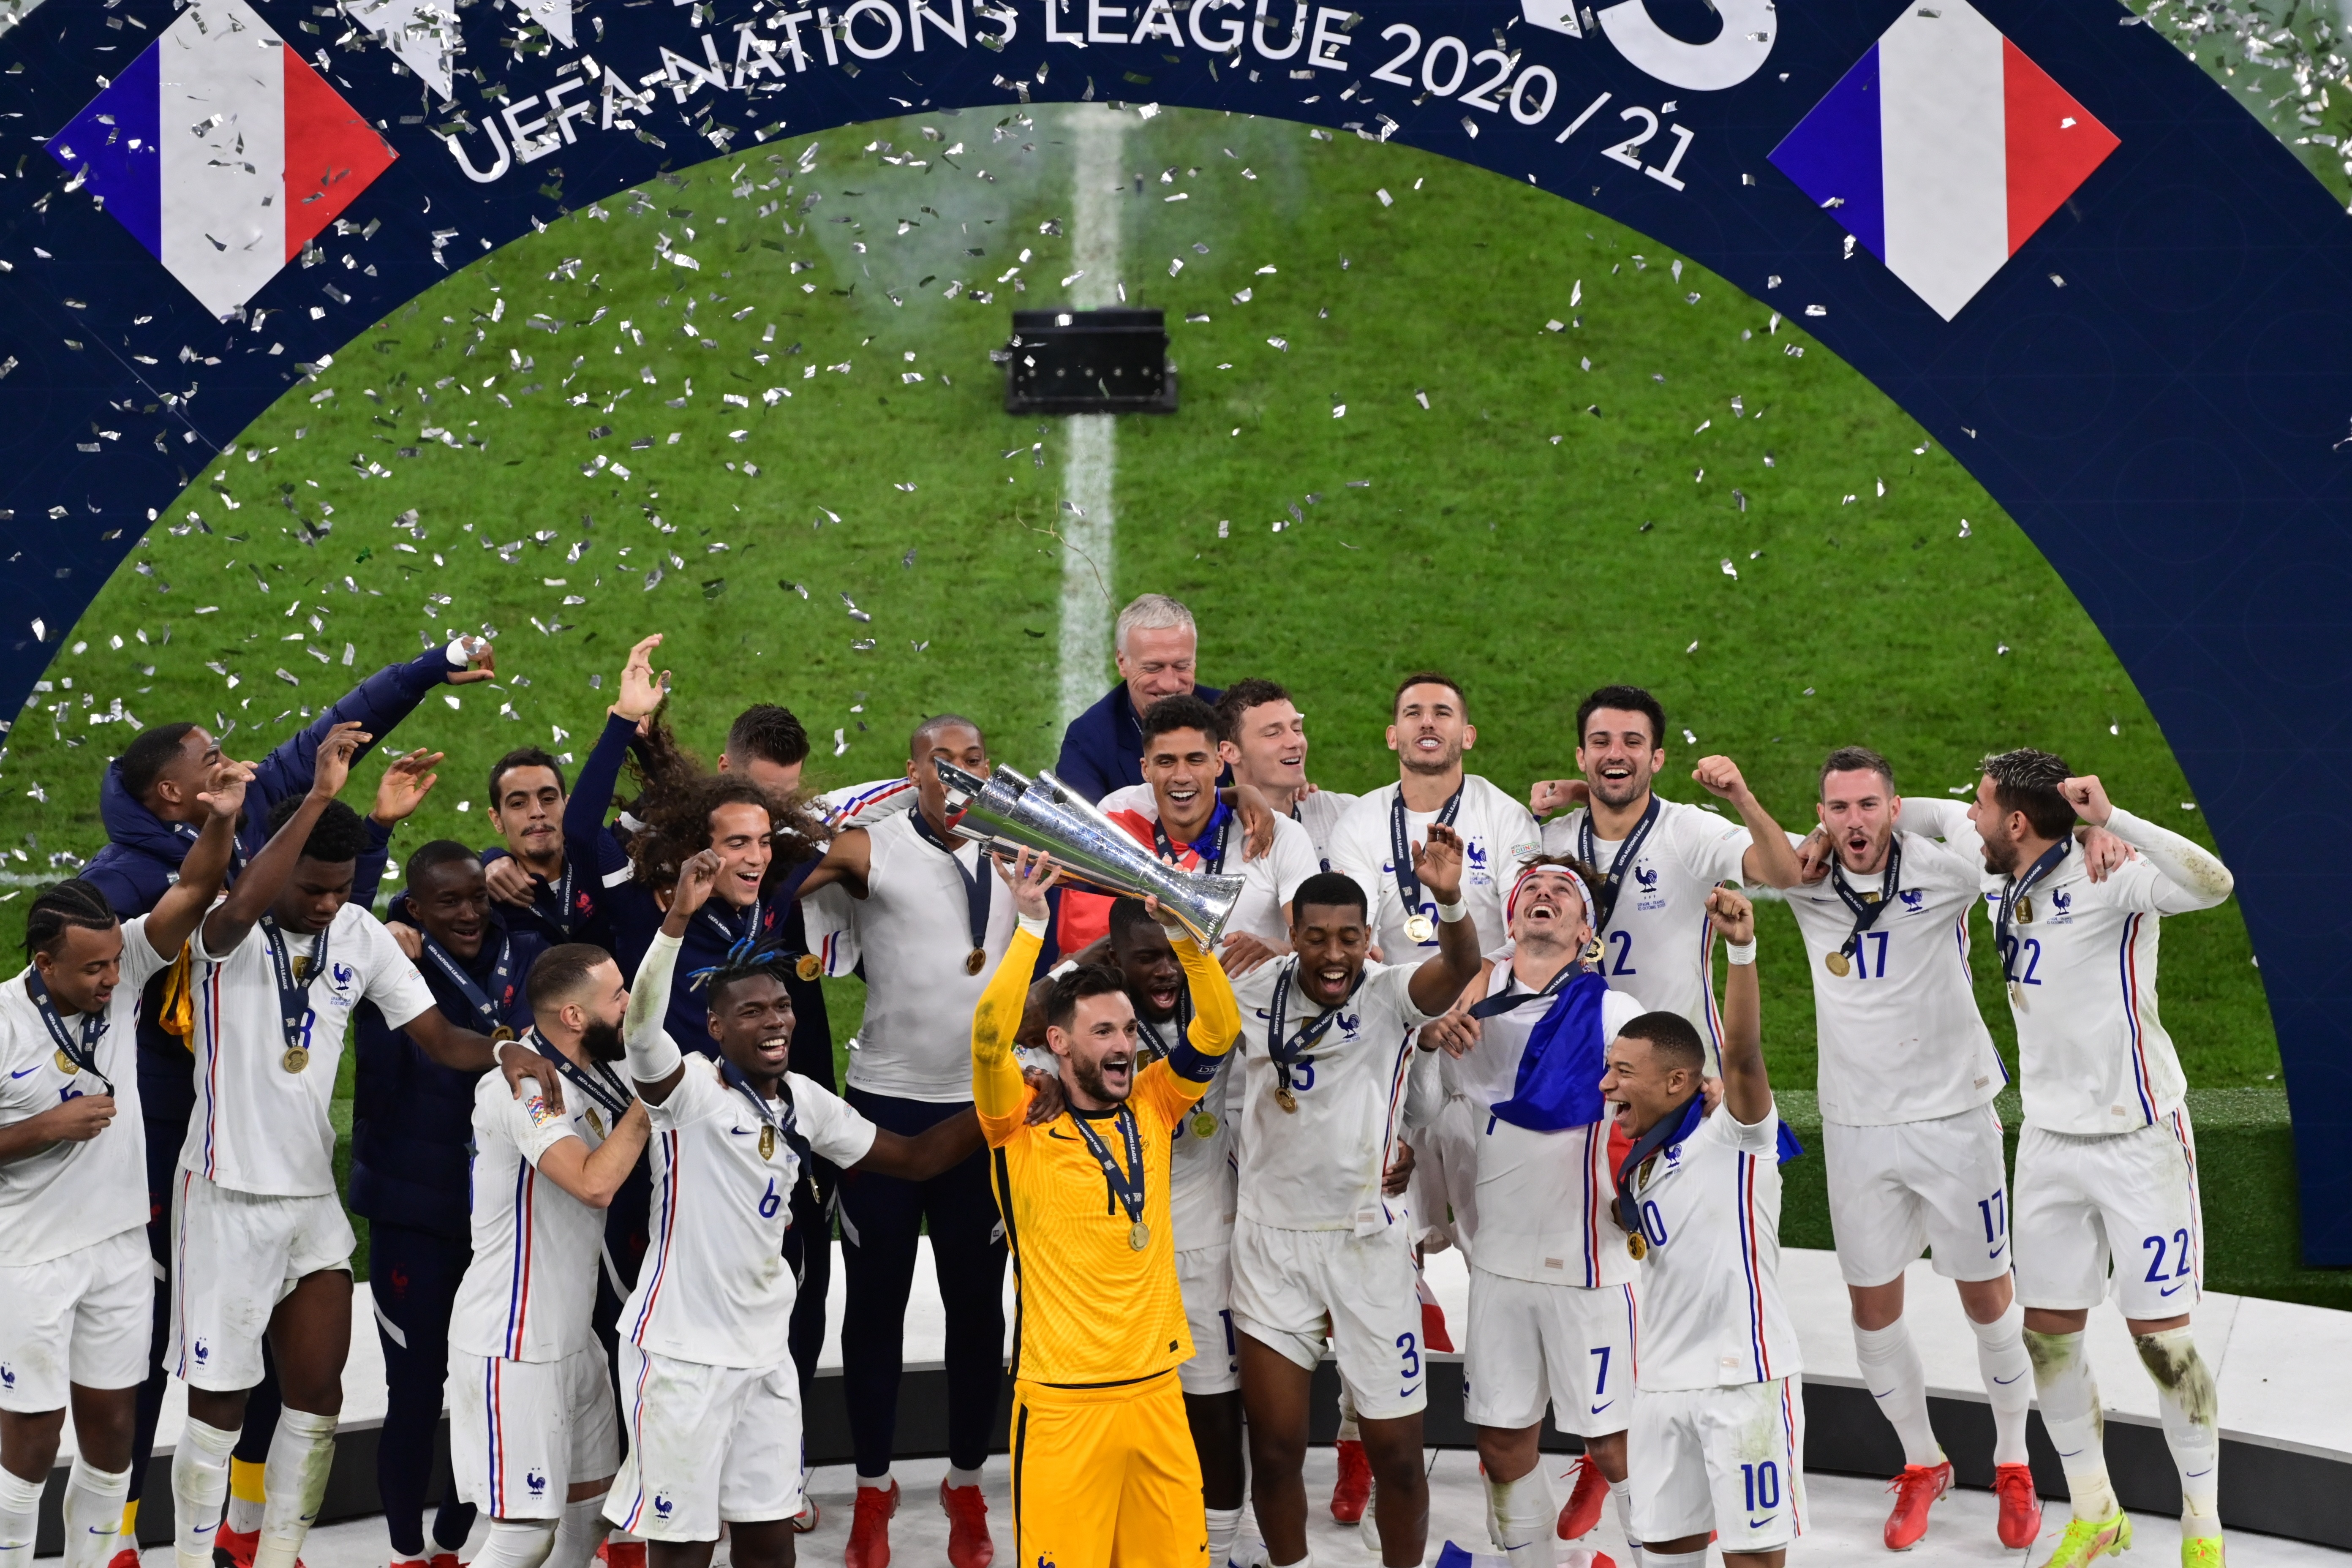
(1558, 1082)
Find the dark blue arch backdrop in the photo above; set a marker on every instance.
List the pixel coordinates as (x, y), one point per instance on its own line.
(2032, 222)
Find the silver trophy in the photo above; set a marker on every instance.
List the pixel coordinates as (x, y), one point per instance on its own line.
(1006, 812)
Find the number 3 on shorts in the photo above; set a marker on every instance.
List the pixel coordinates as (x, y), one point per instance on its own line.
(1409, 1355)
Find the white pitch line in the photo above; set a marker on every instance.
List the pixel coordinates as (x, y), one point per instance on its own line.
(1091, 462)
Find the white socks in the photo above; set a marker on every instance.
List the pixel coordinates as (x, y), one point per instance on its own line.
(1225, 1534)
(2191, 1410)
(2007, 1372)
(199, 1482)
(1622, 1494)
(519, 1543)
(20, 1516)
(1522, 1517)
(959, 1478)
(247, 1485)
(294, 1482)
(1674, 1559)
(581, 1531)
(2070, 1409)
(1892, 1372)
(93, 1513)
(879, 1483)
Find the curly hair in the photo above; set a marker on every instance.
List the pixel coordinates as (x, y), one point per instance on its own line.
(660, 763)
(677, 824)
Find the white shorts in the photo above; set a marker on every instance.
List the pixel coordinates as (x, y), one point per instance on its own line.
(523, 1433)
(1293, 1287)
(1726, 1459)
(2131, 1198)
(1206, 1278)
(84, 1318)
(234, 1255)
(1530, 1344)
(707, 1444)
(1898, 1190)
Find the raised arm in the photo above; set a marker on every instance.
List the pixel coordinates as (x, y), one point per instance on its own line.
(998, 1090)
(178, 911)
(1747, 1090)
(2195, 879)
(1769, 859)
(847, 860)
(265, 878)
(1440, 979)
(375, 705)
(600, 775)
(654, 1060)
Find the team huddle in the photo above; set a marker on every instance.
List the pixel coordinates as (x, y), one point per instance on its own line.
(598, 1139)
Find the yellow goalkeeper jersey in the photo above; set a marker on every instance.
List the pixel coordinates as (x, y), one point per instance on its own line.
(1094, 1310)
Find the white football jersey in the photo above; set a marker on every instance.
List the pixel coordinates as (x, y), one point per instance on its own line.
(260, 1126)
(862, 805)
(1320, 1167)
(1267, 882)
(72, 1195)
(1498, 833)
(714, 1288)
(1710, 1290)
(1900, 1037)
(1659, 941)
(914, 929)
(1319, 813)
(1543, 1197)
(2093, 1056)
(1201, 1166)
(531, 1290)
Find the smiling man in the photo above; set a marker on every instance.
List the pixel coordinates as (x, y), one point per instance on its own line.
(1265, 744)
(528, 874)
(711, 1394)
(1908, 1077)
(1104, 1468)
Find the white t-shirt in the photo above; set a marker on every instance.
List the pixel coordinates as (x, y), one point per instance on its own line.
(1659, 942)
(75, 1193)
(1319, 813)
(1543, 1197)
(531, 1290)
(1900, 1037)
(1267, 882)
(1320, 1167)
(1200, 1169)
(1710, 1290)
(1498, 833)
(862, 805)
(257, 1127)
(2093, 1056)
(914, 929)
(713, 1288)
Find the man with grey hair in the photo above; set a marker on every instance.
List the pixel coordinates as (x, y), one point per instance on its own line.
(1103, 748)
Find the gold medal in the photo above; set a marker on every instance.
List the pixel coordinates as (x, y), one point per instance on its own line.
(1838, 964)
(2021, 909)
(1138, 1236)
(1638, 1245)
(975, 961)
(767, 1143)
(1287, 1100)
(596, 1123)
(2017, 995)
(1420, 927)
(501, 1035)
(295, 1059)
(301, 964)
(808, 966)
(1204, 1126)
(66, 1064)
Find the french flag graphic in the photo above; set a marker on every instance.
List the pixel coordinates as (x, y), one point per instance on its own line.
(223, 152)
(1943, 150)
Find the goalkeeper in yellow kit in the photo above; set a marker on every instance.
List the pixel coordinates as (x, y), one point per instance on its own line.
(1104, 1470)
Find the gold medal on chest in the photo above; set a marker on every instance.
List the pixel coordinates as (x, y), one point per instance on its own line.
(596, 1123)
(1638, 1245)
(501, 1035)
(66, 1064)
(295, 1059)
(808, 966)
(1204, 1126)
(1420, 927)
(2021, 909)
(1138, 1236)
(767, 1143)
(975, 961)
(1838, 964)
(1287, 1100)
(2017, 995)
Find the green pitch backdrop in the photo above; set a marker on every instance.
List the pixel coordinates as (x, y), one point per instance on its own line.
(1430, 418)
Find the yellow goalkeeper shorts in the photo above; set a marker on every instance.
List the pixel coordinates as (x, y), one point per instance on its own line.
(1106, 1478)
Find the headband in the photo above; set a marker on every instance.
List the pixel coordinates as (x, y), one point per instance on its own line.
(1511, 904)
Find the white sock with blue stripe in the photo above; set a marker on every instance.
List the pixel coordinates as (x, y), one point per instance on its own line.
(293, 1484)
(199, 1487)
(93, 1512)
(1892, 1370)
(20, 1516)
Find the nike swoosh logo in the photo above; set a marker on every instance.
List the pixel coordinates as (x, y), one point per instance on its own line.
(28, 1072)
(205, 1529)
(741, 1132)
(2168, 1292)
(1057, 1132)
(1997, 1251)
(1759, 1523)
(2005, 1382)
(1599, 1408)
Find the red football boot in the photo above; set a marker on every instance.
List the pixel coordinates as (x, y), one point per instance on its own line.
(869, 1528)
(1353, 1490)
(1915, 1490)
(2020, 1509)
(968, 1544)
(1582, 1510)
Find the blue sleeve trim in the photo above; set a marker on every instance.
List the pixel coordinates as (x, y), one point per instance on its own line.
(1194, 1065)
